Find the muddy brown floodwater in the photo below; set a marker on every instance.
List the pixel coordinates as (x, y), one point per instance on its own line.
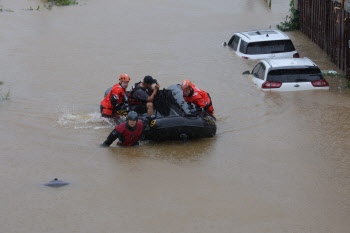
(279, 162)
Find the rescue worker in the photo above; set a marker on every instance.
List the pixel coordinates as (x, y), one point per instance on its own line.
(128, 133)
(142, 94)
(116, 97)
(198, 97)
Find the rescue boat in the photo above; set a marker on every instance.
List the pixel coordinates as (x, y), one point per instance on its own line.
(173, 120)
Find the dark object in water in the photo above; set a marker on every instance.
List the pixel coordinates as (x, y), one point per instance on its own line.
(174, 120)
(56, 183)
(184, 137)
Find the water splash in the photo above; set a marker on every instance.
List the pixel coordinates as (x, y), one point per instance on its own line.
(84, 121)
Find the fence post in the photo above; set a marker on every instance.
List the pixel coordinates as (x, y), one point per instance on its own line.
(347, 46)
(338, 35)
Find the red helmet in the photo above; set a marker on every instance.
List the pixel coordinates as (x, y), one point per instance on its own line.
(186, 85)
(124, 78)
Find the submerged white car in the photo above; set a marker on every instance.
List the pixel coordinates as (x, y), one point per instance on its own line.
(288, 74)
(262, 44)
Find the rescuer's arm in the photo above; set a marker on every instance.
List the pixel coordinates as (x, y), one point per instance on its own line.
(200, 103)
(111, 138)
(115, 100)
(151, 98)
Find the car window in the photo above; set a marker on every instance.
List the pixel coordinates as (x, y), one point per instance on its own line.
(235, 43)
(243, 46)
(261, 72)
(256, 69)
(267, 47)
(295, 75)
(231, 40)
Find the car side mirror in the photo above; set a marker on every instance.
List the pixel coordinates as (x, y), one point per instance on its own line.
(246, 72)
(224, 44)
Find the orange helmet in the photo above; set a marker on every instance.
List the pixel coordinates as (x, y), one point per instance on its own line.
(124, 78)
(186, 85)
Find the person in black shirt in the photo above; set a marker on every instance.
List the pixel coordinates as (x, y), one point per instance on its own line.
(142, 96)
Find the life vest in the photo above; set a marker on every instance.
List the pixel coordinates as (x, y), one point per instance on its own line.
(129, 137)
(119, 93)
(133, 100)
(200, 99)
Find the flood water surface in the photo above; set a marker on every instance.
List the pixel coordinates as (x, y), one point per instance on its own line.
(279, 162)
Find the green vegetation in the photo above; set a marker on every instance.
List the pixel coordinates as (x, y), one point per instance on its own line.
(52, 3)
(62, 2)
(343, 82)
(48, 5)
(337, 75)
(6, 96)
(31, 8)
(5, 10)
(291, 21)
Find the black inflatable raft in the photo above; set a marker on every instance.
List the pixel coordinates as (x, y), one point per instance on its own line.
(173, 119)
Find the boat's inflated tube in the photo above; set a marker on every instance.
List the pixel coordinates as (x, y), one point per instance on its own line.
(174, 127)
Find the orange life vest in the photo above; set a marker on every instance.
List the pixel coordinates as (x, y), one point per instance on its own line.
(118, 93)
(200, 99)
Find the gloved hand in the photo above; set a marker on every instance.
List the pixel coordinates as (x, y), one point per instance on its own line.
(125, 107)
(193, 111)
(104, 145)
(150, 118)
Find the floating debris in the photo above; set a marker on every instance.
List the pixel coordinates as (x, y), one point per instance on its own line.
(56, 183)
(329, 72)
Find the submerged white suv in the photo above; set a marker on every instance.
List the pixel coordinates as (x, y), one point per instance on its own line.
(288, 74)
(262, 44)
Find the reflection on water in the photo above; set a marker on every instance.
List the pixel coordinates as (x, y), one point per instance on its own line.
(175, 151)
(279, 161)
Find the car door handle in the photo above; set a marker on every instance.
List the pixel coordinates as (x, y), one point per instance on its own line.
(296, 85)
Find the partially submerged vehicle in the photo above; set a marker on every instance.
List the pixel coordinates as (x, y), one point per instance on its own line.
(288, 74)
(262, 44)
(173, 118)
